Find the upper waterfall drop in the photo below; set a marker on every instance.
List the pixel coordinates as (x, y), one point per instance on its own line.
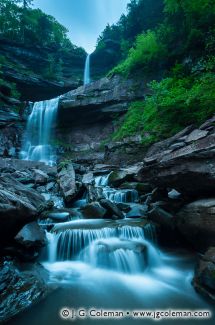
(38, 136)
(87, 70)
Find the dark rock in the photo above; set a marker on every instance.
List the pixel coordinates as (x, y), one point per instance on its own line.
(139, 187)
(34, 86)
(196, 222)
(174, 195)
(40, 177)
(208, 123)
(20, 287)
(18, 205)
(162, 218)
(94, 193)
(50, 186)
(177, 145)
(204, 278)
(118, 177)
(190, 170)
(158, 148)
(67, 183)
(137, 211)
(31, 235)
(88, 179)
(112, 210)
(99, 100)
(93, 211)
(124, 207)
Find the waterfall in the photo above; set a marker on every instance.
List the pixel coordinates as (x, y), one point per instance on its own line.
(87, 70)
(116, 195)
(37, 142)
(68, 244)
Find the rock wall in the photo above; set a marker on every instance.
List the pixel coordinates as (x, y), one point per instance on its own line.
(11, 130)
(87, 118)
(25, 66)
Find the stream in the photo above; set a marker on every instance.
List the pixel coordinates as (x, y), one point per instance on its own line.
(113, 265)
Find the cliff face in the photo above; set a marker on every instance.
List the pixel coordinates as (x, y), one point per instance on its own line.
(30, 69)
(87, 116)
(11, 129)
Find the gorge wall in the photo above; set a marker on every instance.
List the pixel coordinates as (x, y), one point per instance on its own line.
(88, 118)
(27, 66)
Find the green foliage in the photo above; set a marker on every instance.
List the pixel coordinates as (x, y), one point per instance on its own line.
(115, 41)
(22, 23)
(175, 103)
(145, 55)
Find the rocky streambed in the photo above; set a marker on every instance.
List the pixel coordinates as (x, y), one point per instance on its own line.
(79, 212)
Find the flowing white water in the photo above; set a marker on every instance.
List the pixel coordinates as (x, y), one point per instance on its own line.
(116, 195)
(37, 144)
(118, 268)
(87, 70)
(69, 243)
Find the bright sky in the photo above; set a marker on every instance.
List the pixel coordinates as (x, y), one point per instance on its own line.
(85, 19)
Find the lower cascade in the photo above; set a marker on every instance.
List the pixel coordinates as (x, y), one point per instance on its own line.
(37, 143)
(116, 265)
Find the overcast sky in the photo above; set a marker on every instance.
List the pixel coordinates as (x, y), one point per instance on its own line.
(85, 19)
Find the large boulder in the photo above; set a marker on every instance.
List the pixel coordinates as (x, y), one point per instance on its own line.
(113, 212)
(94, 193)
(161, 217)
(137, 211)
(40, 177)
(20, 287)
(18, 205)
(93, 211)
(189, 170)
(118, 177)
(31, 235)
(204, 279)
(67, 183)
(196, 222)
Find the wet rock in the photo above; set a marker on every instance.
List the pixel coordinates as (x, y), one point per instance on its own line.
(174, 195)
(94, 193)
(196, 222)
(50, 186)
(88, 179)
(79, 169)
(139, 187)
(20, 287)
(118, 177)
(93, 211)
(125, 207)
(18, 205)
(204, 278)
(40, 177)
(112, 210)
(67, 183)
(122, 244)
(31, 235)
(137, 211)
(59, 216)
(162, 218)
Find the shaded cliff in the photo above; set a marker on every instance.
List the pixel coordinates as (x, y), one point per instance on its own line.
(39, 72)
